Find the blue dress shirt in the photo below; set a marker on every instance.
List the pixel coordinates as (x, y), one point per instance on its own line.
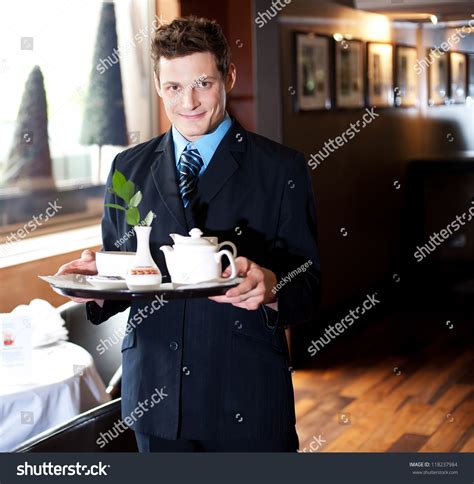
(206, 145)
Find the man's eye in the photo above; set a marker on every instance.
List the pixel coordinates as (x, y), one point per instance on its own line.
(174, 88)
(203, 84)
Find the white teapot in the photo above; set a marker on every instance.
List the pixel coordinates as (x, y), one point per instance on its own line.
(197, 259)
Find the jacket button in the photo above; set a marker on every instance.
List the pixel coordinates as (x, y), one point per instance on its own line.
(173, 346)
(186, 370)
(239, 417)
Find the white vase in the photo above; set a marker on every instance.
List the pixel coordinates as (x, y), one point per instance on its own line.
(143, 274)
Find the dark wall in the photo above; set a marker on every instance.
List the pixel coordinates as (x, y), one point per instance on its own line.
(355, 187)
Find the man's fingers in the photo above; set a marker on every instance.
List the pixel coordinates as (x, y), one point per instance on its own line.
(80, 300)
(70, 267)
(219, 299)
(64, 269)
(242, 264)
(249, 288)
(254, 293)
(84, 265)
(246, 286)
(250, 304)
(77, 267)
(87, 255)
(251, 281)
(227, 271)
(244, 296)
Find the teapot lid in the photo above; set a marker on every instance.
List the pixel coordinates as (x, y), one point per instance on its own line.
(194, 239)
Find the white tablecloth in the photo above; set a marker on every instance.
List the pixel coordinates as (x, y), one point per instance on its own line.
(65, 384)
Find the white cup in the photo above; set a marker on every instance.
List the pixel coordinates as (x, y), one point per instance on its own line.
(114, 263)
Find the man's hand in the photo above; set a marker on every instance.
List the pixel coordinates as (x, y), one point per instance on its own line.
(84, 265)
(254, 290)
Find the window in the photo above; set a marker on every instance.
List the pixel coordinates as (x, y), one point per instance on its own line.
(48, 52)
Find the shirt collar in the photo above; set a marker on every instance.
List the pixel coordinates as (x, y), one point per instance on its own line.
(206, 145)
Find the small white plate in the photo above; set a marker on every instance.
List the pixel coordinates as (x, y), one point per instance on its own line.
(106, 282)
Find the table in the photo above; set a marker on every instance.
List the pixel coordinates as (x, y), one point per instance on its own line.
(64, 384)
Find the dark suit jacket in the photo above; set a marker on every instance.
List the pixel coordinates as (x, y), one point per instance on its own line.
(224, 370)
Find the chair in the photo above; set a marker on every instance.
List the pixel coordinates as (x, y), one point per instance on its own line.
(106, 336)
(80, 434)
(114, 388)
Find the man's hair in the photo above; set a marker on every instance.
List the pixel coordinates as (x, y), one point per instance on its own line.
(187, 35)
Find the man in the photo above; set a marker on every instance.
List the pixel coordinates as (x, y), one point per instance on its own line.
(219, 364)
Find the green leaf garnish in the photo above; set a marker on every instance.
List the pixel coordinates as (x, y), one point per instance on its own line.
(136, 199)
(114, 205)
(118, 181)
(125, 189)
(133, 216)
(149, 218)
(128, 190)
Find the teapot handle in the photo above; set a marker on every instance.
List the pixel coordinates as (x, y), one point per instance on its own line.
(234, 248)
(233, 274)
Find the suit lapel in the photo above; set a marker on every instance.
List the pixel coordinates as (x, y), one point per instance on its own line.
(223, 165)
(163, 171)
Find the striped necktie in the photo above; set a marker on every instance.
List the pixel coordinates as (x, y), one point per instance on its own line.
(189, 166)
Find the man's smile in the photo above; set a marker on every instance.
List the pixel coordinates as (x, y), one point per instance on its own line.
(193, 117)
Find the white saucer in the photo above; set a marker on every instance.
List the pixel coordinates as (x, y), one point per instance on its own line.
(105, 282)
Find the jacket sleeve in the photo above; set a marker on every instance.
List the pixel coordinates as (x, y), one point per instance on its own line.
(110, 235)
(294, 252)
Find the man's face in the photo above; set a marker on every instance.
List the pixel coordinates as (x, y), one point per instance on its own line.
(193, 92)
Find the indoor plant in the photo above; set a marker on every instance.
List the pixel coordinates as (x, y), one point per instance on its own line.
(143, 272)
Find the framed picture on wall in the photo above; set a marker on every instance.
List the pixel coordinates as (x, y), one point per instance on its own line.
(312, 72)
(458, 77)
(437, 78)
(349, 66)
(406, 78)
(470, 75)
(380, 74)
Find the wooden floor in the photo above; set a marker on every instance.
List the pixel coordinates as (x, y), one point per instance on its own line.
(404, 384)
